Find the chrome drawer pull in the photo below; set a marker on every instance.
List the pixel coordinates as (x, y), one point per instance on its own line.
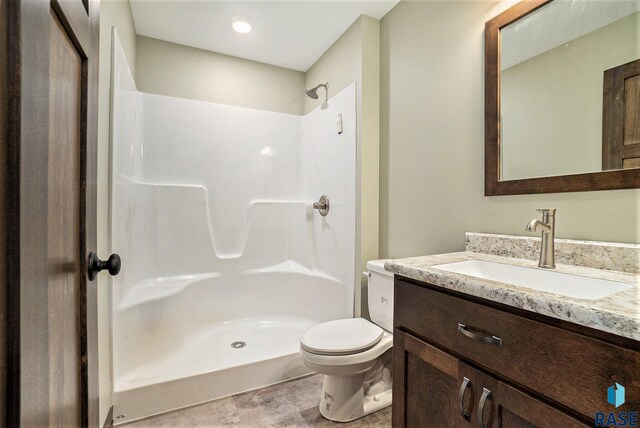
(463, 390)
(486, 394)
(491, 340)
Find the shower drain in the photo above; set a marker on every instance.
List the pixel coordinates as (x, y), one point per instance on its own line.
(238, 345)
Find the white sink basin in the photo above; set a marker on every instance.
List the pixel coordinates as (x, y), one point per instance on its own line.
(565, 284)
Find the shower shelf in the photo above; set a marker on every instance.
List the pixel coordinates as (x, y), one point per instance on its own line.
(200, 197)
(291, 266)
(159, 288)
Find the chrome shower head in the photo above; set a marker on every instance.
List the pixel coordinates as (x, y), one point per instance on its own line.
(313, 92)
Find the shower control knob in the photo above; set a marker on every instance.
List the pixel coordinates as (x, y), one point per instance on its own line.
(112, 264)
(322, 205)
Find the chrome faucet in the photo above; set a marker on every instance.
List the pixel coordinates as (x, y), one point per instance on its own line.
(548, 226)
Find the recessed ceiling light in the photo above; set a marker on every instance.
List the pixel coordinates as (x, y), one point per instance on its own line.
(241, 27)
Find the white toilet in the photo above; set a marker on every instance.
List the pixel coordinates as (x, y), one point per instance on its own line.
(354, 355)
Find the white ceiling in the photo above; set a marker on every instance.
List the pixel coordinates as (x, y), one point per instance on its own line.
(291, 34)
(557, 23)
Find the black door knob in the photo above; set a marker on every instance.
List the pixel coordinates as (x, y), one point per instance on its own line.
(112, 264)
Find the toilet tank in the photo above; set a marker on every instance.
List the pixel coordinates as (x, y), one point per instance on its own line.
(380, 294)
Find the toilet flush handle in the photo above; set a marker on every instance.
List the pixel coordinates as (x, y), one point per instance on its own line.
(367, 274)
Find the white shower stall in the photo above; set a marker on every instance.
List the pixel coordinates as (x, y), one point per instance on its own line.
(225, 263)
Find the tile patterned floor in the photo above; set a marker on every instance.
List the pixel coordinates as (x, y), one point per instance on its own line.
(291, 404)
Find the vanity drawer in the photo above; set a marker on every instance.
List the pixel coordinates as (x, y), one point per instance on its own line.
(569, 368)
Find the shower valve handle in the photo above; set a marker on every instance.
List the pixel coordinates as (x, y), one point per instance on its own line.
(322, 205)
(112, 265)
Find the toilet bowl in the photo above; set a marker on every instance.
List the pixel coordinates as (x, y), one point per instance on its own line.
(354, 354)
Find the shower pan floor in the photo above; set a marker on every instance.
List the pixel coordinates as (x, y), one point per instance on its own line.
(208, 366)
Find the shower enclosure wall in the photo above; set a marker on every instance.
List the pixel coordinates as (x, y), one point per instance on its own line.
(224, 261)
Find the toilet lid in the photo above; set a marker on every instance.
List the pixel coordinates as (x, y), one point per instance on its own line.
(341, 336)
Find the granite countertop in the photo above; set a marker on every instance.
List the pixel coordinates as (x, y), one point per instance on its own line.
(618, 313)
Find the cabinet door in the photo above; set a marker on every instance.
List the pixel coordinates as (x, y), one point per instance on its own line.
(429, 386)
(502, 406)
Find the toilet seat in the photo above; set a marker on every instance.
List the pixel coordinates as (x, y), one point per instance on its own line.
(341, 337)
(322, 363)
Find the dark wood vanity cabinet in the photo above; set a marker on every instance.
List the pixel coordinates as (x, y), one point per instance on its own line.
(461, 363)
(433, 388)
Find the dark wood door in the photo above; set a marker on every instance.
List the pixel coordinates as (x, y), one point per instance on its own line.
(50, 206)
(431, 388)
(502, 406)
(621, 117)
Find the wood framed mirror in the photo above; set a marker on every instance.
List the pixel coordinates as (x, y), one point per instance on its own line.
(562, 97)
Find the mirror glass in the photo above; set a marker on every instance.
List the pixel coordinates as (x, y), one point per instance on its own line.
(562, 68)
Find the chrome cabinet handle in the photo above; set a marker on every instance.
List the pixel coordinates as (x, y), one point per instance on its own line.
(486, 394)
(491, 340)
(463, 390)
